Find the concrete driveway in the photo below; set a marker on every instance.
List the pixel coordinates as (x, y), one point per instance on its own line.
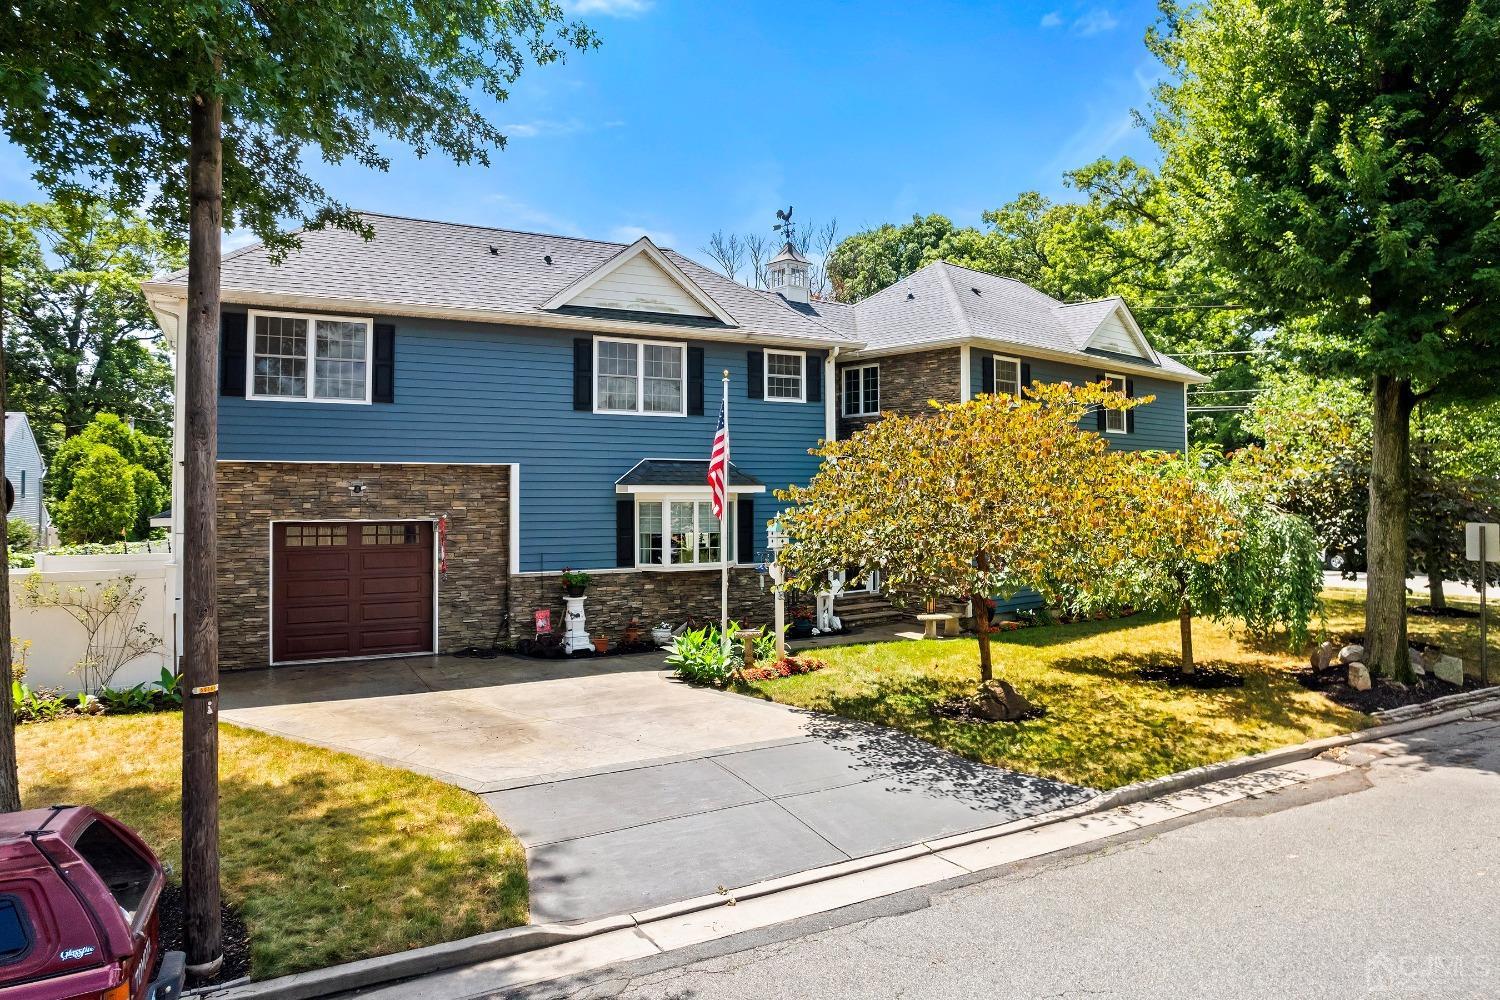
(630, 789)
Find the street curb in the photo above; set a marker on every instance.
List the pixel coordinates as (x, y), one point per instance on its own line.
(517, 940)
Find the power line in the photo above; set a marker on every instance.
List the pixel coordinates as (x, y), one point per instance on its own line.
(1211, 354)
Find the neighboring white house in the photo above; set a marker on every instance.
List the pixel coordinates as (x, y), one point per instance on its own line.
(25, 470)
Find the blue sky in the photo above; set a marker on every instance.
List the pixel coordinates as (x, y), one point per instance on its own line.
(696, 115)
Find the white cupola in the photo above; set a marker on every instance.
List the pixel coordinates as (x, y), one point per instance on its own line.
(787, 273)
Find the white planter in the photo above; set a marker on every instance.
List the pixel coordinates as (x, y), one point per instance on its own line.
(577, 636)
(661, 636)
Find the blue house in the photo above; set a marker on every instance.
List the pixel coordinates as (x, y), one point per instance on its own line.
(25, 470)
(419, 432)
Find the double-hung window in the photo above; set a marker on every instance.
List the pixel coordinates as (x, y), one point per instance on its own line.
(862, 391)
(1114, 420)
(1007, 376)
(784, 376)
(679, 531)
(324, 359)
(640, 376)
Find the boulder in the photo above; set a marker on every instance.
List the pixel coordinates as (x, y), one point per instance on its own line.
(1323, 655)
(1447, 668)
(1418, 667)
(997, 701)
(1353, 653)
(1359, 677)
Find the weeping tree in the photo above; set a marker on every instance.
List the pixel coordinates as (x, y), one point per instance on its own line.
(973, 501)
(1206, 548)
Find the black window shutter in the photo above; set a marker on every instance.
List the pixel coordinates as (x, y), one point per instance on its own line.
(384, 374)
(1130, 413)
(744, 530)
(1025, 377)
(625, 532)
(755, 374)
(232, 336)
(695, 381)
(583, 373)
(1101, 377)
(987, 374)
(814, 379)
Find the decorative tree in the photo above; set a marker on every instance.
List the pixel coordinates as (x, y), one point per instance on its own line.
(147, 466)
(1337, 162)
(974, 501)
(210, 116)
(102, 505)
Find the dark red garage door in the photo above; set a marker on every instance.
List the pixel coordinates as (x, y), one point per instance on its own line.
(342, 589)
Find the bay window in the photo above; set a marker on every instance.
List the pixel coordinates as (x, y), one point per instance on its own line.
(680, 531)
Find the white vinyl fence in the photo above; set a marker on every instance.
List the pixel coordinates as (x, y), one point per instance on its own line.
(59, 642)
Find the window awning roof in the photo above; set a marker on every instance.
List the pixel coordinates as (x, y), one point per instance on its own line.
(652, 475)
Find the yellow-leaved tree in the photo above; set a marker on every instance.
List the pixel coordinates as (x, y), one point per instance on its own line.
(980, 500)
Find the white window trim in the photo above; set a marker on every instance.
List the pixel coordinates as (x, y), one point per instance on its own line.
(640, 376)
(1015, 361)
(845, 388)
(765, 392)
(694, 496)
(1124, 427)
(312, 356)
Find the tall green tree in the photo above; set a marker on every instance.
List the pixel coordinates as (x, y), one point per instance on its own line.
(147, 464)
(80, 339)
(209, 115)
(1340, 162)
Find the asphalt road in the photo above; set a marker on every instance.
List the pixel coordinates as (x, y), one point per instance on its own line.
(1380, 883)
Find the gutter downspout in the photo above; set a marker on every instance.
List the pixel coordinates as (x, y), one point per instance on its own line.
(169, 312)
(830, 394)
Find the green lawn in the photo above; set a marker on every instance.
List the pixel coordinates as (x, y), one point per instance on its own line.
(1103, 726)
(329, 858)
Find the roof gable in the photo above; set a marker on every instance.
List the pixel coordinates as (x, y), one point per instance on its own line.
(642, 279)
(1117, 333)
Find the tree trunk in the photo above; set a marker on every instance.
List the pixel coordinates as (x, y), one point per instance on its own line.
(981, 608)
(1435, 596)
(1386, 529)
(202, 930)
(1185, 626)
(10, 781)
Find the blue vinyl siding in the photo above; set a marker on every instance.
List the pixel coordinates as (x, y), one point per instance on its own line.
(1159, 425)
(479, 393)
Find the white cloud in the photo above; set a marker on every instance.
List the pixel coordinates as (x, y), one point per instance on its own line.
(1053, 19)
(629, 234)
(543, 127)
(1094, 21)
(1107, 121)
(610, 8)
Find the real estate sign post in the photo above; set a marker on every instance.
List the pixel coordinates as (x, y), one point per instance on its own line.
(1481, 540)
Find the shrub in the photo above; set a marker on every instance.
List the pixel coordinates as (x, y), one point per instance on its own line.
(699, 655)
(35, 706)
(787, 666)
(20, 535)
(102, 504)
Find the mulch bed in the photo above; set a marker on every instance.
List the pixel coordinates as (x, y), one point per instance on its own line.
(1383, 695)
(1202, 678)
(236, 935)
(959, 708)
(1431, 612)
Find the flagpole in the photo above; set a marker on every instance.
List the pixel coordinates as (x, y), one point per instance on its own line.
(724, 533)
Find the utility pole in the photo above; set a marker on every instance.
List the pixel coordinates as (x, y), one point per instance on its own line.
(202, 925)
(10, 781)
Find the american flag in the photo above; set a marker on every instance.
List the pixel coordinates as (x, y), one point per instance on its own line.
(718, 462)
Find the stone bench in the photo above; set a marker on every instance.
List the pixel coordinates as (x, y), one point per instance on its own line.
(930, 625)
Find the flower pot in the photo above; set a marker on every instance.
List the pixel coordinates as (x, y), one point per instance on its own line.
(574, 591)
(601, 643)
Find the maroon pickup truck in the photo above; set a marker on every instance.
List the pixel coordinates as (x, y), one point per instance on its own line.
(78, 910)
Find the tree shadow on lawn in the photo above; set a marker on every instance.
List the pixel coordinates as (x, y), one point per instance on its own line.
(320, 878)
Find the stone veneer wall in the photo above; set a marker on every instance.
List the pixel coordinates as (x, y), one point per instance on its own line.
(615, 596)
(472, 595)
(907, 382)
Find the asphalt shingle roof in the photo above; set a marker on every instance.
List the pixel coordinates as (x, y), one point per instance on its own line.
(421, 263)
(943, 302)
(680, 472)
